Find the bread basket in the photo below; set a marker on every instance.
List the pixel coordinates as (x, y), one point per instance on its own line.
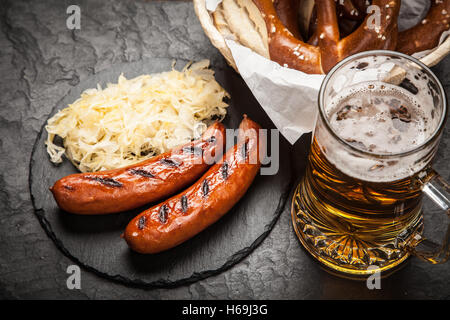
(217, 37)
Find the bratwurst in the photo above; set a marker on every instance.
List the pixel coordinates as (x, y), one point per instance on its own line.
(148, 181)
(181, 217)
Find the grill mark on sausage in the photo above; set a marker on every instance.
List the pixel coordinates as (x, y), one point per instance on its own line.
(244, 150)
(184, 204)
(170, 162)
(106, 181)
(205, 188)
(68, 187)
(141, 222)
(142, 173)
(194, 150)
(163, 213)
(224, 170)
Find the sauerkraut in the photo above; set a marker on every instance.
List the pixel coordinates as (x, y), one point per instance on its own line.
(135, 119)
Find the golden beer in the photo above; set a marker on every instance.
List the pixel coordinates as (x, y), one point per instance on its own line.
(354, 223)
(359, 204)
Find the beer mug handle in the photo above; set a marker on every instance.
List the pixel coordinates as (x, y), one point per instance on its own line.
(438, 190)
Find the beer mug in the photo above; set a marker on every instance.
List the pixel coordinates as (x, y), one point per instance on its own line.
(358, 208)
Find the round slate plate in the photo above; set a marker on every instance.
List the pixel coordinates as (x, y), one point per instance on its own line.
(94, 242)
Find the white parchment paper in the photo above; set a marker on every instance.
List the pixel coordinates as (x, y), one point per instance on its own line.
(288, 96)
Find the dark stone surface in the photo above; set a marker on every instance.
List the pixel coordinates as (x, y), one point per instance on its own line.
(41, 61)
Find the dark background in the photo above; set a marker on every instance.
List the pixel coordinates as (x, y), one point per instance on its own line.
(41, 60)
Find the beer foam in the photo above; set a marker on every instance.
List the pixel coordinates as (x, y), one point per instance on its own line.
(382, 119)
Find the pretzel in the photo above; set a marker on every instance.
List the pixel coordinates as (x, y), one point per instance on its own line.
(427, 33)
(292, 52)
(287, 12)
(352, 9)
(424, 36)
(350, 15)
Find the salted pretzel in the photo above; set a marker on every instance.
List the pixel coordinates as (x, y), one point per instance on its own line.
(427, 33)
(292, 52)
(350, 15)
(423, 36)
(287, 12)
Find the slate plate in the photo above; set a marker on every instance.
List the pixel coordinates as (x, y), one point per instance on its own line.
(94, 242)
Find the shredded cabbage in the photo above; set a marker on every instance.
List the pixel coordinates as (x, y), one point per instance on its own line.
(135, 119)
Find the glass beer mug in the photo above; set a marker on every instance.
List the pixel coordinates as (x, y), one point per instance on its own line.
(359, 204)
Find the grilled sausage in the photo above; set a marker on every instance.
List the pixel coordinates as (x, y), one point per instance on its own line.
(181, 217)
(133, 186)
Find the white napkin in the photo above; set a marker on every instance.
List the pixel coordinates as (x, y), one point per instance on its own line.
(288, 96)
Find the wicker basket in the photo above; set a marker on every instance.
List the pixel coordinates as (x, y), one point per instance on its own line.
(217, 39)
